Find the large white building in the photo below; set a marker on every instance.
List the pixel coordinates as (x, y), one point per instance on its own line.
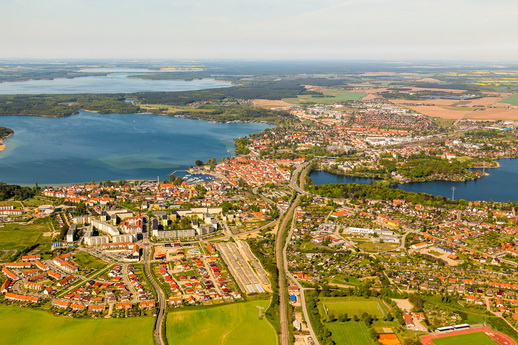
(105, 227)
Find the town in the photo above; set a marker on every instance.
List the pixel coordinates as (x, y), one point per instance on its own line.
(320, 263)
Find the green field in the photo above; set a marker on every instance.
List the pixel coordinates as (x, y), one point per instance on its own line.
(23, 326)
(350, 333)
(330, 96)
(352, 306)
(232, 324)
(345, 280)
(375, 247)
(87, 260)
(510, 100)
(478, 338)
(16, 237)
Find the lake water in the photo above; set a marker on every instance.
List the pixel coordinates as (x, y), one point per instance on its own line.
(111, 83)
(97, 147)
(500, 185)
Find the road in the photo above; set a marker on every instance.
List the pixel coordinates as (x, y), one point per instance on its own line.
(294, 177)
(281, 260)
(296, 282)
(159, 294)
(281, 246)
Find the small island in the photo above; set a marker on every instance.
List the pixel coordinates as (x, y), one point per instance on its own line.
(4, 133)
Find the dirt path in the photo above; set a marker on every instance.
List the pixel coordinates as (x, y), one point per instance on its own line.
(403, 304)
(110, 310)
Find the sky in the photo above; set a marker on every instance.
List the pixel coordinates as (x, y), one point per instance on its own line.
(469, 30)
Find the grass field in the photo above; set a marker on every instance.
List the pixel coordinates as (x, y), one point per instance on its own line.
(478, 338)
(87, 260)
(352, 306)
(36, 201)
(372, 247)
(346, 280)
(16, 237)
(330, 96)
(510, 100)
(23, 326)
(350, 333)
(229, 324)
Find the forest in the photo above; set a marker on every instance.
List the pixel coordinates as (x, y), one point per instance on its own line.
(240, 114)
(42, 73)
(363, 191)
(64, 105)
(13, 191)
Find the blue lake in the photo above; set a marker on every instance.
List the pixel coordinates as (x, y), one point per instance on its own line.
(111, 83)
(97, 147)
(500, 185)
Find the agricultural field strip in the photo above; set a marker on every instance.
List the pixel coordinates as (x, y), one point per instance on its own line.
(38, 327)
(247, 279)
(229, 324)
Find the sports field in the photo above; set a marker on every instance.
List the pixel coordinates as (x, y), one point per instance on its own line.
(478, 338)
(23, 326)
(349, 333)
(229, 324)
(352, 306)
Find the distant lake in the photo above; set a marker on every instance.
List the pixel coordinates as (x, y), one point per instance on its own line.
(114, 82)
(500, 185)
(97, 147)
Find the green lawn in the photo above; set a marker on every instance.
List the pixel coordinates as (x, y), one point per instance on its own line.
(478, 338)
(36, 201)
(16, 237)
(510, 100)
(87, 260)
(229, 324)
(350, 333)
(23, 326)
(352, 306)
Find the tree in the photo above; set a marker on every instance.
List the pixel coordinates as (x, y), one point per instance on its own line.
(373, 334)
(198, 163)
(343, 317)
(417, 301)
